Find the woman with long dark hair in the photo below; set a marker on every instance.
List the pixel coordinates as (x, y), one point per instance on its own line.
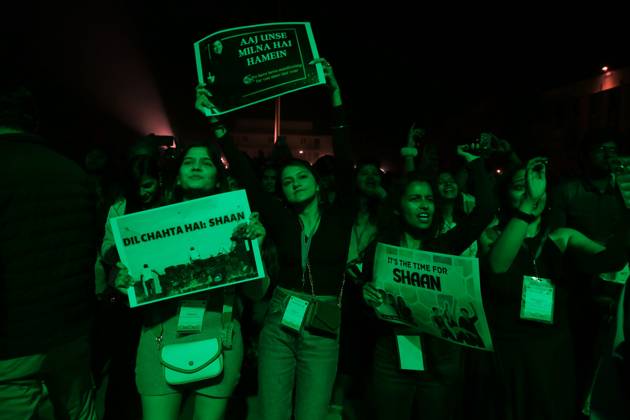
(200, 174)
(142, 190)
(356, 339)
(524, 284)
(455, 205)
(298, 347)
(432, 393)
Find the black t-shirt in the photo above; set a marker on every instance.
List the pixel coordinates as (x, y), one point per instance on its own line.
(329, 246)
(502, 292)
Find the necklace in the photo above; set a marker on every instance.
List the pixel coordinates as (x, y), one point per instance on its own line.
(312, 231)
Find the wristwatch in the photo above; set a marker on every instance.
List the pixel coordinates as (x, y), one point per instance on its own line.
(526, 217)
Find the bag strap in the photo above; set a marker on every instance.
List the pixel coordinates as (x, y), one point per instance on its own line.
(159, 337)
(343, 283)
(541, 245)
(227, 326)
(229, 296)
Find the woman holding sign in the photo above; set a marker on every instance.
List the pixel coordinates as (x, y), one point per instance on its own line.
(397, 389)
(185, 330)
(299, 345)
(142, 191)
(528, 293)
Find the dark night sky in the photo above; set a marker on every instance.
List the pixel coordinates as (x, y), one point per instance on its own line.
(95, 66)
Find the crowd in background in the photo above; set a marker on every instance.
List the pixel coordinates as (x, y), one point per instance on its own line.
(67, 332)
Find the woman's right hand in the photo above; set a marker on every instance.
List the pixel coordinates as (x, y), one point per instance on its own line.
(123, 280)
(371, 296)
(203, 101)
(535, 186)
(536, 178)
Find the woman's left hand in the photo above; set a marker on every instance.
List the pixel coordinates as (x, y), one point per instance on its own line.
(203, 101)
(371, 296)
(331, 80)
(251, 230)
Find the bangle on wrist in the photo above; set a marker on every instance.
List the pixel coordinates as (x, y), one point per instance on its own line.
(408, 152)
(218, 125)
(526, 217)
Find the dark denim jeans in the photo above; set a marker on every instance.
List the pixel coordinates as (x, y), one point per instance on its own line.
(401, 394)
(290, 361)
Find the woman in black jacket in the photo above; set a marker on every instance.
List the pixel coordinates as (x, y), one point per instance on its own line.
(299, 345)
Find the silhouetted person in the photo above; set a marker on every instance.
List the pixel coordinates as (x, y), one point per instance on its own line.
(47, 249)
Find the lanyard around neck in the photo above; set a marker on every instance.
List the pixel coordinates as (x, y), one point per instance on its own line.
(305, 242)
(539, 249)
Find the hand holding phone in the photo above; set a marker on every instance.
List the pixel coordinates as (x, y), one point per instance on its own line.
(485, 145)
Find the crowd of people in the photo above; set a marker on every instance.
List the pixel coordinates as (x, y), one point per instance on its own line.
(67, 334)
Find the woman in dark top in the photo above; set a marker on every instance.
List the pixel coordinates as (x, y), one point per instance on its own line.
(143, 191)
(432, 393)
(528, 298)
(295, 355)
(356, 336)
(455, 204)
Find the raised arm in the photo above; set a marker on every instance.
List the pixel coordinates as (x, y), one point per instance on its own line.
(340, 134)
(272, 211)
(509, 242)
(458, 239)
(410, 151)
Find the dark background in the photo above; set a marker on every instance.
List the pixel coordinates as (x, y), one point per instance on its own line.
(108, 72)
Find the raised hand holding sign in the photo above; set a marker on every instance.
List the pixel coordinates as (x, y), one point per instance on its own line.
(251, 64)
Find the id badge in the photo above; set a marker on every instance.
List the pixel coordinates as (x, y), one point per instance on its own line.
(620, 276)
(190, 319)
(410, 352)
(294, 313)
(538, 299)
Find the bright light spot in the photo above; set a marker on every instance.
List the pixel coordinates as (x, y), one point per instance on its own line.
(605, 69)
(117, 74)
(173, 145)
(225, 162)
(499, 171)
(301, 152)
(608, 73)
